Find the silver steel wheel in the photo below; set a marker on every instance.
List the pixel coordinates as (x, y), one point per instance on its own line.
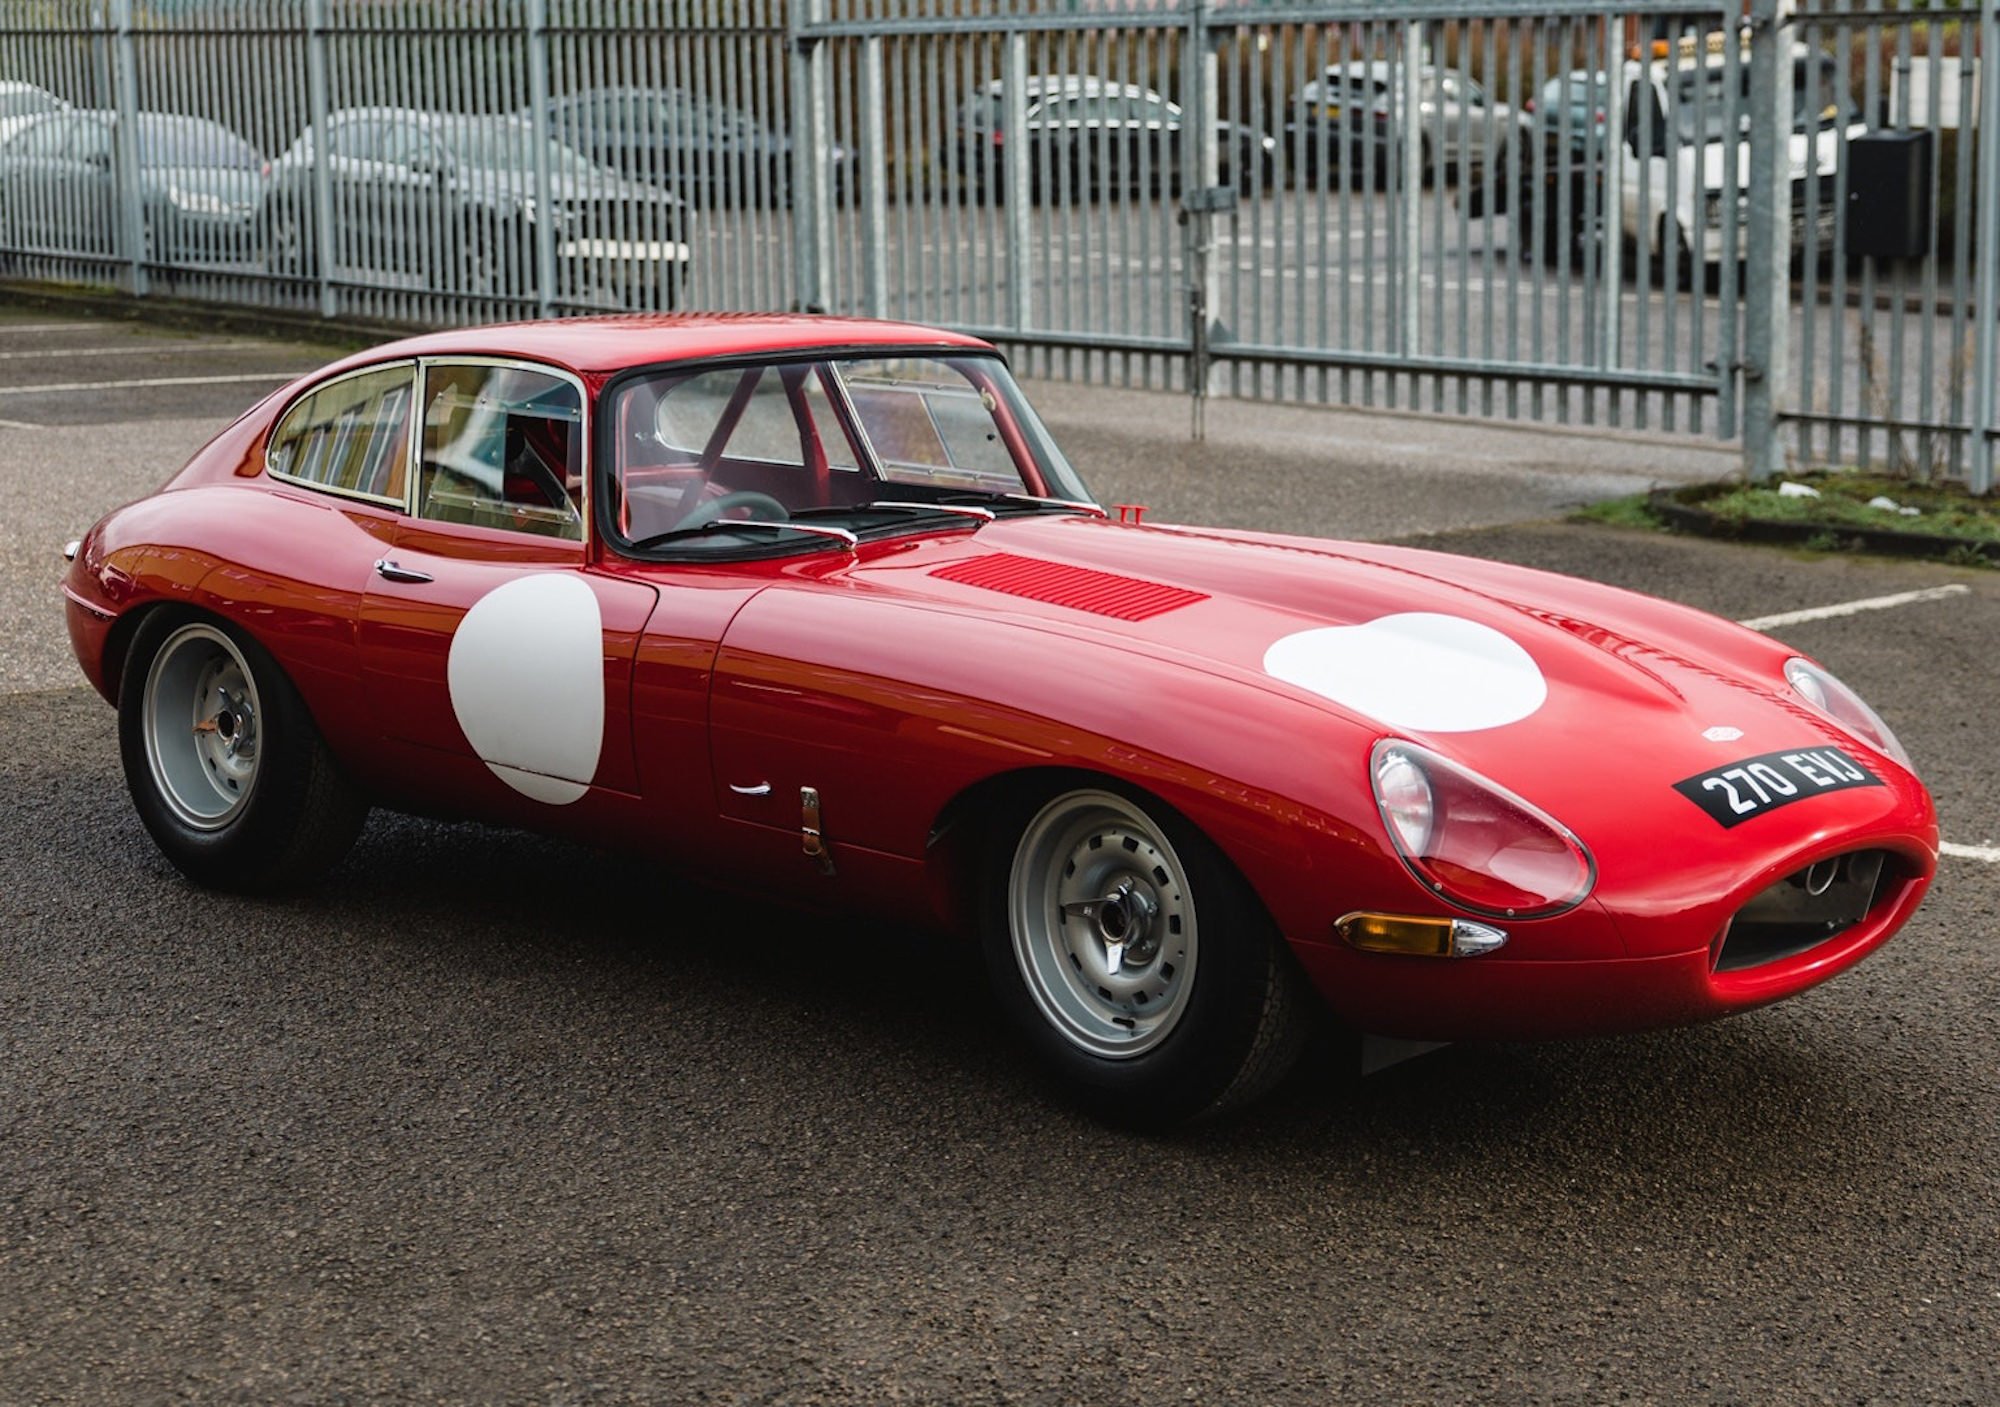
(201, 726)
(1103, 924)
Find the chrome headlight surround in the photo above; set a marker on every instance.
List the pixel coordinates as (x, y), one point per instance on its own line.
(1844, 708)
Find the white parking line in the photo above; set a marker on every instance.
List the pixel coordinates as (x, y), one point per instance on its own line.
(60, 386)
(147, 349)
(1990, 854)
(19, 425)
(6, 327)
(1855, 608)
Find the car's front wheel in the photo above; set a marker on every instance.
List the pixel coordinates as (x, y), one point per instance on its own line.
(225, 766)
(1137, 963)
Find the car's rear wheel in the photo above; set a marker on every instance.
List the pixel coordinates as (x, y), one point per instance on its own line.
(224, 764)
(1136, 961)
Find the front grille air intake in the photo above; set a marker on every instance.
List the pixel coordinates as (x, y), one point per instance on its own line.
(1803, 910)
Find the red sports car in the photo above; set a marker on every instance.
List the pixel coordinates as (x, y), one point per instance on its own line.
(818, 608)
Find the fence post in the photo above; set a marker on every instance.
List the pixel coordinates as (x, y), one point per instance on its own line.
(125, 149)
(1611, 200)
(1767, 282)
(873, 195)
(1014, 177)
(543, 225)
(1409, 129)
(1201, 168)
(812, 97)
(322, 176)
(1986, 302)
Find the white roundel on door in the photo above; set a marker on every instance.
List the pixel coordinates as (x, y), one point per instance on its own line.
(1419, 670)
(526, 674)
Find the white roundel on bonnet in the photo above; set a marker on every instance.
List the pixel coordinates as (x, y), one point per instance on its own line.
(527, 684)
(1422, 671)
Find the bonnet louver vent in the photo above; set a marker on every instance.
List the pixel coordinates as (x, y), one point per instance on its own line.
(1079, 588)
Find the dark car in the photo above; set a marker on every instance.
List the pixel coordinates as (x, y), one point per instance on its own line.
(706, 152)
(1091, 136)
(449, 203)
(199, 187)
(1350, 120)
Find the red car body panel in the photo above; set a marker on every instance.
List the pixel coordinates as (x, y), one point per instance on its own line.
(901, 678)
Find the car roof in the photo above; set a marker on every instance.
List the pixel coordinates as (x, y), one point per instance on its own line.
(603, 345)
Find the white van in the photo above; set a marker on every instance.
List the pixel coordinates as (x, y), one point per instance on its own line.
(1673, 161)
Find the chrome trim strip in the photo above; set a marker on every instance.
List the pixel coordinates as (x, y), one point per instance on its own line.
(963, 510)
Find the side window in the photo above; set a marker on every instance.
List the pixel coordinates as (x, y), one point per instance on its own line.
(502, 448)
(90, 141)
(355, 140)
(352, 435)
(405, 145)
(45, 138)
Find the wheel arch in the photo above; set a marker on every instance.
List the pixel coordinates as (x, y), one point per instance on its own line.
(962, 837)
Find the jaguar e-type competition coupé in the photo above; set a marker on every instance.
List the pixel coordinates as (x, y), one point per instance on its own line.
(817, 607)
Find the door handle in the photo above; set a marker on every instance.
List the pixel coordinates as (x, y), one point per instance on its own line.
(389, 571)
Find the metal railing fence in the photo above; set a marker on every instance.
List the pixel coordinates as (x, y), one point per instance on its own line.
(1646, 214)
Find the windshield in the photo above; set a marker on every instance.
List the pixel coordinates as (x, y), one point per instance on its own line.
(23, 102)
(876, 444)
(1818, 98)
(190, 141)
(509, 145)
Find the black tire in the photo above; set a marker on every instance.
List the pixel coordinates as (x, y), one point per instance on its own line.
(297, 813)
(1232, 1009)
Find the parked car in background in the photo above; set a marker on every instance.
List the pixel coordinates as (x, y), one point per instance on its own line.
(200, 186)
(1091, 136)
(706, 152)
(1673, 152)
(22, 103)
(1350, 120)
(449, 203)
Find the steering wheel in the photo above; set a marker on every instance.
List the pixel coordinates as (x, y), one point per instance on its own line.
(761, 505)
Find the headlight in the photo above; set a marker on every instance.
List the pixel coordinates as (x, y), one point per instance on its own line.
(1844, 707)
(1472, 842)
(201, 203)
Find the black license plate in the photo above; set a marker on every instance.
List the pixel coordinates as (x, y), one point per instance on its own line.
(1733, 793)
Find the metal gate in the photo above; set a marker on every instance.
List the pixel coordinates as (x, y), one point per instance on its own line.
(1322, 201)
(1652, 214)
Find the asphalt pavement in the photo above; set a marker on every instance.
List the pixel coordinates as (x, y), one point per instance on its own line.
(489, 1118)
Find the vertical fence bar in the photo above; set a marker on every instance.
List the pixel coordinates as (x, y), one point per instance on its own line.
(1611, 214)
(1014, 178)
(543, 225)
(1408, 127)
(321, 229)
(1986, 359)
(812, 98)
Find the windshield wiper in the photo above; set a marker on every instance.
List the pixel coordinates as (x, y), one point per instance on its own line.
(1028, 501)
(901, 505)
(729, 525)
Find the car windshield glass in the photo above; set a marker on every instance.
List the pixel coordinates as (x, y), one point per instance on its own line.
(189, 141)
(23, 102)
(865, 443)
(1818, 99)
(509, 146)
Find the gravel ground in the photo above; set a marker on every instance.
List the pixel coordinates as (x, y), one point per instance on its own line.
(492, 1118)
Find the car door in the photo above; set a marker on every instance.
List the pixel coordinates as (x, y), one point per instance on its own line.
(497, 657)
(30, 172)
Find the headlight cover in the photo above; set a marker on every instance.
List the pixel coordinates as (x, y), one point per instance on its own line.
(1472, 842)
(1843, 707)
